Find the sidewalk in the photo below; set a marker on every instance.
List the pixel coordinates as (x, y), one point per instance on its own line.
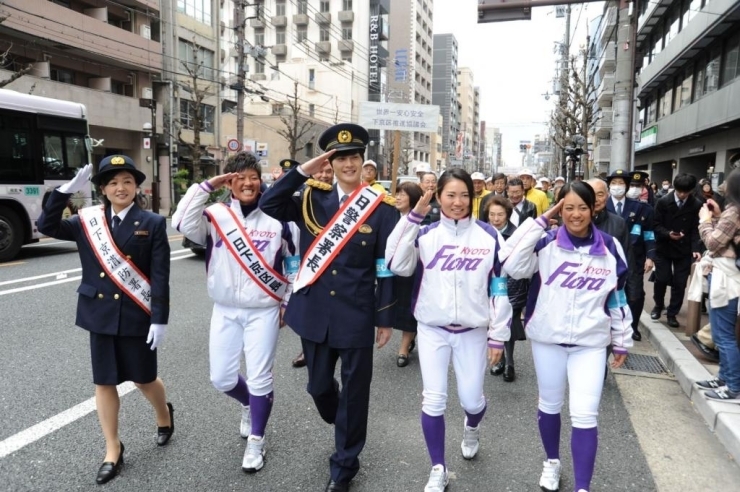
(688, 365)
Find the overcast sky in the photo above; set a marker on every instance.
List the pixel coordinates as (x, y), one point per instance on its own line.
(513, 63)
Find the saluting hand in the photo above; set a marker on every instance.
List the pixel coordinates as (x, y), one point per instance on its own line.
(553, 211)
(422, 206)
(222, 180)
(78, 183)
(314, 165)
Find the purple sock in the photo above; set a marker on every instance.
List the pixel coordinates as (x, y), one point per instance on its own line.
(434, 435)
(240, 392)
(261, 407)
(583, 444)
(474, 420)
(549, 424)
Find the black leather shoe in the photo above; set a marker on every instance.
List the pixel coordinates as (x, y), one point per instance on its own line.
(498, 368)
(333, 486)
(673, 322)
(164, 433)
(636, 335)
(412, 345)
(509, 374)
(655, 313)
(108, 470)
(707, 352)
(402, 361)
(299, 361)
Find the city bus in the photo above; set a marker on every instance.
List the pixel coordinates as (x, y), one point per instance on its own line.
(43, 143)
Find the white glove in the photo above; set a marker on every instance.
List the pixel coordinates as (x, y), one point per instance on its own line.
(156, 335)
(78, 183)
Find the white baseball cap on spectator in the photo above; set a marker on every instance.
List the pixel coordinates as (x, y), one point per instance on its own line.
(477, 176)
(527, 172)
(544, 179)
(370, 163)
(560, 178)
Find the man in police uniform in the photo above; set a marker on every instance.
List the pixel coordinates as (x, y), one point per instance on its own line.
(639, 218)
(336, 311)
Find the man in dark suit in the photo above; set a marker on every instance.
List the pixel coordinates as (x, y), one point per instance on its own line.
(336, 311)
(625, 188)
(677, 245)
(523, 208)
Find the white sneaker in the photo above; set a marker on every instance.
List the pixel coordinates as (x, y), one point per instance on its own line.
(254, 456)
(438, 479)
(471, 441)
(245, 428)
(550, 478)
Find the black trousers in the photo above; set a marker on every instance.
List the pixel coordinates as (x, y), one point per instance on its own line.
(674, 272)
(635, 290)
(346, 409)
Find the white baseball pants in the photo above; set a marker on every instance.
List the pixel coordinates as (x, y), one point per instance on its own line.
(253, 330)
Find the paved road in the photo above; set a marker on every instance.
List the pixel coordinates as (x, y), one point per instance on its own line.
(44, 361)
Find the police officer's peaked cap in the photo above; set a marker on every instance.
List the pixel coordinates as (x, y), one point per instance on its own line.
(638, 177)
(346, 136)
(288, 164)
(116, 163)
(619, 173)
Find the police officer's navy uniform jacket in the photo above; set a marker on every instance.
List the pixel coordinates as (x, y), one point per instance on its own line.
(356, 306)
(102, 307)
(639, 219)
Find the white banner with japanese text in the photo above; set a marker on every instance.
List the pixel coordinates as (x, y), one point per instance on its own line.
(398, 116)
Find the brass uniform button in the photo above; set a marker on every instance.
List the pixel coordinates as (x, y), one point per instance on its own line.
(102, 274)
(100, 296)
(116, 297)
(332, 293)
(333, 272)
(364, 243)
(128, 257)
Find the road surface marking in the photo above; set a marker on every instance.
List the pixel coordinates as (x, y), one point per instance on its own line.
(12, 264)
(43, 429)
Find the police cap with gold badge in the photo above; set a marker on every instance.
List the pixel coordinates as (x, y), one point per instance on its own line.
(619, 173)
(116, 163)
(638, 177)
(345, 136)
(288, 164)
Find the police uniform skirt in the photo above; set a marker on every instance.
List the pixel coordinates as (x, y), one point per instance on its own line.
(403, 288)
(117, 359)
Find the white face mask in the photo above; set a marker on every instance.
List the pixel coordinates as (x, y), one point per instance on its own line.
(666, 187)
(634, 193)
(617, 191)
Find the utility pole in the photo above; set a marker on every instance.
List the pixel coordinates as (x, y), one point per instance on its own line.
(564, 76)
(623, 91)
(240, 70)
(585, 88)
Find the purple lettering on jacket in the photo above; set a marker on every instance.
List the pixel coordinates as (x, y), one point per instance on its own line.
(573, 282)
(449, 261)
(260, 245)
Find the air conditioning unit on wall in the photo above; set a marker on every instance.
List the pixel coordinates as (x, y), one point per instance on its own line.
(147, 93)
(145, 31)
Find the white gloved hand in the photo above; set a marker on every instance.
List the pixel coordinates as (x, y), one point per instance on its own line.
(78, 183)
(156, 335)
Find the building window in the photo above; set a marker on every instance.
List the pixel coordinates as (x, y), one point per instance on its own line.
(711, 76)
(346, 4)
(259, 37)
(677, 94)
(686, 86)
(730, 62)
(667, 100)
(311, 110)
(280, 7)
(199, 10)
(652, 110)
(324, 34)
(301, 33)
(347, 33)
(309, 149)
(201, 63)
(62, 75)
(280, 35)
(187, 116)
(259, 67)
(302, 6)
(347, 58)
(672, 25)
(324, 6)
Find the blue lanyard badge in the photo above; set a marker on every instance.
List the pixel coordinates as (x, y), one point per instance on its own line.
(499, 287)
(292, 263)
(636, 230)
(648, 235)
(617, 299)
(381, 271)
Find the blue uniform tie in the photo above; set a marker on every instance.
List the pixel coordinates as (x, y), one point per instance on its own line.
(619, 208)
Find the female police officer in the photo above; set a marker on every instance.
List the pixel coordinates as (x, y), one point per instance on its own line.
(124, 295)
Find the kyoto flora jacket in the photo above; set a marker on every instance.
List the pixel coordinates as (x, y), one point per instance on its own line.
(576, 296)
(459, 279)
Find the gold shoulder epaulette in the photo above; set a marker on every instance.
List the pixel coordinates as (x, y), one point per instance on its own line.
(390, 200)
(318, 184)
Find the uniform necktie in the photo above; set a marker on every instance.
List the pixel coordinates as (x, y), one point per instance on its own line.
(116, 226)
(680, 204)
(343, 199)
(619, 208)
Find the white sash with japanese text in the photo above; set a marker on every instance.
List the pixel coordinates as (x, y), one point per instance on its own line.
(336, 234)
(237, 240)
(120, 270)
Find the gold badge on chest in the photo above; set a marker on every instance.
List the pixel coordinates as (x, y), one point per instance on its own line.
(365, 229)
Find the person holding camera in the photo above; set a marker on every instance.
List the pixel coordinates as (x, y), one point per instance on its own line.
(720, 232)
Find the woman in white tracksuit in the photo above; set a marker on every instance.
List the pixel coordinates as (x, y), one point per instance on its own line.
(576, 307)
(462, 308)
(251, 260)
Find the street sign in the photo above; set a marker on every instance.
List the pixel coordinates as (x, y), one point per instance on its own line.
(395, 116)
(147, 143)
(233, 145)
